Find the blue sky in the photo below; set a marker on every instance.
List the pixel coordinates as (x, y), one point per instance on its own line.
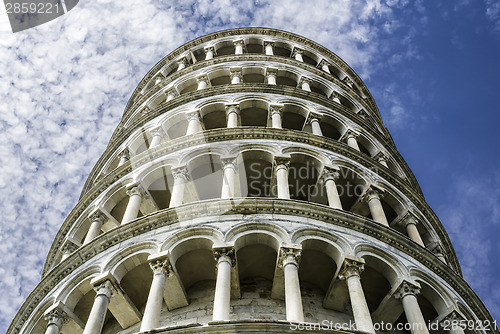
(431, 66)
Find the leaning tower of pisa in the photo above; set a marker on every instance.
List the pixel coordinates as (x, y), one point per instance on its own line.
(251, 186)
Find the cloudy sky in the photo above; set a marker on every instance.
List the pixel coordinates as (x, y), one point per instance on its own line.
(431, 66)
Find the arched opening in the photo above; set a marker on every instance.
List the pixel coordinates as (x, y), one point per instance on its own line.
(160, 186)
(206, 174)
(214, 116)
(293, 117)
(176, 126)
(255, 173)
(253, 75)
(303, 177)
(253, 113)
(350, 186)
(286, 78)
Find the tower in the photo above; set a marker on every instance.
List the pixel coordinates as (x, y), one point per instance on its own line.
(251, 187)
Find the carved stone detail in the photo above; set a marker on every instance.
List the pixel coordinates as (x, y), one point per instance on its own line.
(106, 288)
(351, 267)
(407, 288)
(225, 253)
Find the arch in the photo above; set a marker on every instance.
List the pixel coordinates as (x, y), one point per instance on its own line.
(257, 232)
(436, 294)
(129, 258)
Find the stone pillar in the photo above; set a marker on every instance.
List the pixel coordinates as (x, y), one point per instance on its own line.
(351, 271)
(182, 64)
(268, 46)
(157, 137)
(232, 115)
(380, 158)
(97, 218)
(305, 84)
(238, 47)
(336, 97)
(55, 318)
(407, 293)
(124, 157)
(324, 66)
(236, 76)
(181, 176)
(276, 112)
(228, 180)
(350, 137)
(271, 75)
(203, 81)
(104, 292)
(313, 119)
(289, 260)
(348, 81)
(437, 249)
(330, 176)
(172, 93)
(281, 167)
(194, 123)
(135, 194)
(68, 249)
(161, 269)
(225, 259)
(297, 54)
(410, 223)
(209, 52)
(372, 197)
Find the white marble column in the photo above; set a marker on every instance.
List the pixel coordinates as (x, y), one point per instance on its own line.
(135, 194)
(324, 66)
(268, 46)
(67, 249)
(228, 179)
(238, 47)
(276, 112)
(350, 137)
(381, 159)
(232, 115)
(330, 176)
(225, 259)
(313, 119)
(305, 84)
(297, 54)
(203, 81)
(437, 249)
(372, 197)
(97, 218)
(181, 176)
(348, 81)
(194, 123)
(124, 157)
(209, 52)
(236, 75)
(271, 75)
(289, 260)
(351, 271)
(157, 137)
(336, 97)
(182, 64)
(171, 94)
(409, 222)
(281, 167)
(104, 292)
(452, 321)
(407, 293)
(55, 318)
(161, 269)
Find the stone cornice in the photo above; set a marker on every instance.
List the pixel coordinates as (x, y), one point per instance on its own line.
(218, 135)
(256, 31)
(121, 133)
(245, 206)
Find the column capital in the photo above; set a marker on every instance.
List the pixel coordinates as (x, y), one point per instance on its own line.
(304, 80)
(330, 173)
(350, 134)
(161, 265)
(182, 61)
(235, 72)
(228, 162)
(180, 173)
(407, 288)
(68, 247)
(363, 113)
(436, 248)
(266, 43)
(281, 162)
(225, 253)
(271, 71)
(203, 77)
(97, 216)
(239, 42)
(276, 109)
(297, 51)
(313, 116)
(380, 156)
(372, 193)
(125, 153)
(408, 218)
(158, 131)
(145, 110)
(323, 62)
(193, 116)
(135, 189)
(56, 316)
(209, 48)
(290, 254)
(232, 108)
(159, 80)
(348, 81)
(106, 288)
(352, 266)
(172, 92)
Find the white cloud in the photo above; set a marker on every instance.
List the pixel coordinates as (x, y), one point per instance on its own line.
(493, 12)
